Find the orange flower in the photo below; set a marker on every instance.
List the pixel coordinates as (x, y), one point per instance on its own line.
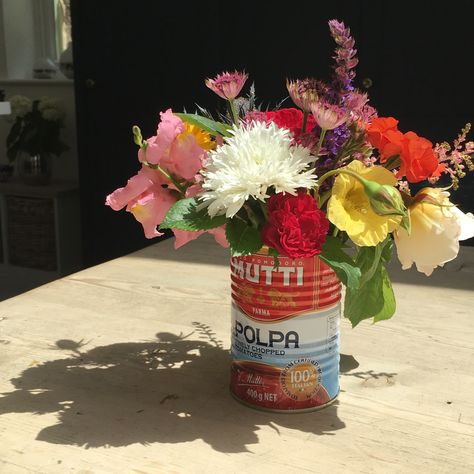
(418, 160)
(377, 131)
(393, 144)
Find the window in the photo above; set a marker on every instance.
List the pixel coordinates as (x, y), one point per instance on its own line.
(62, 13)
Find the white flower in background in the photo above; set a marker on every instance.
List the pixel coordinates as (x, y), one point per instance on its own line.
(46, 102)
(20, 105)
(255, 158)
(437, 226)
(51, 109)
(52, 114)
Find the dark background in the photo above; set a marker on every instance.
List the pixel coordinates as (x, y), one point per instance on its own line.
(134, 59)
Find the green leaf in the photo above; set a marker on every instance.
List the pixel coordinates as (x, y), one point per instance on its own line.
(392, 162)
(387, 250)
(343, 265)
(389, 304)
(210, 126)
(374, 298)
(275, 254)
(368, 259)
(185, 215)
(15, 133)
(242, 238)
(406, 223)
(365, 302)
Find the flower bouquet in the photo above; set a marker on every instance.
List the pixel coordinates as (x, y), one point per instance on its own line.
(35, 136)
(315, 179)
(36, 127)
(325, 177)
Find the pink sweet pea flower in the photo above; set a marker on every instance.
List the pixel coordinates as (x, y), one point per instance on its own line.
(169, 128)
(185, 157)
(150, 209)
(183, 237)
(228, 84)
(145, 198)
(173, 148)
(137, 185)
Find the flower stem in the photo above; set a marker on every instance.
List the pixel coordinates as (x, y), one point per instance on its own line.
(251, 215)
(178, 186)
(168, 176)
(305, 120)
(233, 112)
(263, 208)
(320, 142)
(336, 171)
(322, 199)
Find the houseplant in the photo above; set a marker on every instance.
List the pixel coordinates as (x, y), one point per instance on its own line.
(35, 136)
(306, 197)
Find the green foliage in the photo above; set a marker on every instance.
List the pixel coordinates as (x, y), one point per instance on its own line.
(374, 298)
(342, 264)
(275, 254)
(187, 215)
(393, 162)
(243, 239)
(210, 126)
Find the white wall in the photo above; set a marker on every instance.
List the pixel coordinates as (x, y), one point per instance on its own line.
(19, 38)
(3, 53)
(65, 167)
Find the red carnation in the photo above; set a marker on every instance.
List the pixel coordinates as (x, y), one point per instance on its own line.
(296, 227)
(291, 119)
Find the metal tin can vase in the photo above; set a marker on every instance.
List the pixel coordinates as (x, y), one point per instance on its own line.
(285, 333)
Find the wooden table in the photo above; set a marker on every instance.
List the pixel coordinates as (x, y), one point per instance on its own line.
(123, 368)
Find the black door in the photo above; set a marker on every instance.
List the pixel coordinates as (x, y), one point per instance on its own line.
(134, 59)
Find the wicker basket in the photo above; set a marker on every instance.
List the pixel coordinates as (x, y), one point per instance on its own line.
(31, 232)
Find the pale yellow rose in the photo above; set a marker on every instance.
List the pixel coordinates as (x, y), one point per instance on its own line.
(436, 229)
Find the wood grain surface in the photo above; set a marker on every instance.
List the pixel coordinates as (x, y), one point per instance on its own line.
(124, 368)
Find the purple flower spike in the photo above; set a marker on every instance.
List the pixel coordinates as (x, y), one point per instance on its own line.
(345, 56)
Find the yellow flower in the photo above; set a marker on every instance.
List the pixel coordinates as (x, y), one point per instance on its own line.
(203, 139)
(349, 208)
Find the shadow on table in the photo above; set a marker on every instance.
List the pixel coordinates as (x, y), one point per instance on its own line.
(171, 390)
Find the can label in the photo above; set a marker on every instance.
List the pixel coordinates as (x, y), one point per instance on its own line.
(285, 332)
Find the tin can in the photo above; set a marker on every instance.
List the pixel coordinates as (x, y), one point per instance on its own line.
(285, 333)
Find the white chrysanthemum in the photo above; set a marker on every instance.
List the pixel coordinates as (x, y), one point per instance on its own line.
(255, 158)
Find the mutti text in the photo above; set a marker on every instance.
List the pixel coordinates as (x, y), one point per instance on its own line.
(266, 338)
(256, 273)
